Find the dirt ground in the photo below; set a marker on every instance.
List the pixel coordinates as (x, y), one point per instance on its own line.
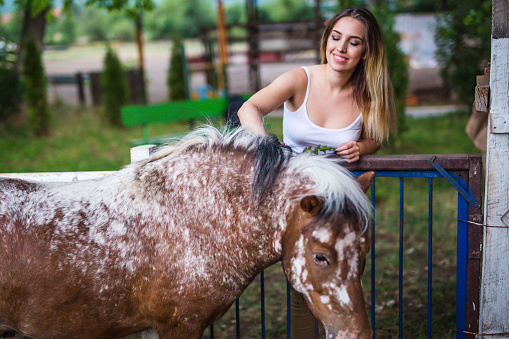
(89, 58)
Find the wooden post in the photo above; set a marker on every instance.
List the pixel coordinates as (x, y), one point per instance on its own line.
(317, 33)
(142, 152)
(223, 46)
(81, 88)
(494, 312)
(254, 45)
(138, 21)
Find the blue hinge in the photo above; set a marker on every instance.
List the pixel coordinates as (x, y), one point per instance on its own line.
(446, 175)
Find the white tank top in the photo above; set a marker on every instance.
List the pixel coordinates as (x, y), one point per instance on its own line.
(299, 132)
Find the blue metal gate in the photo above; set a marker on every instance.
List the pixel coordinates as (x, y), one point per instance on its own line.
(463, 172)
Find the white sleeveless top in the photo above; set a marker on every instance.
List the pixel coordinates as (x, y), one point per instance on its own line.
(299, 132)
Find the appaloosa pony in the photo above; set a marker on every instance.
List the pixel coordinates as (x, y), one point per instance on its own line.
(171, 242)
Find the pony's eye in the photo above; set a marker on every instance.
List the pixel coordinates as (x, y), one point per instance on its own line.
(321, 259)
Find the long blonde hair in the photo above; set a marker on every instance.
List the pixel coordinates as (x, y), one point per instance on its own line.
(371, 82)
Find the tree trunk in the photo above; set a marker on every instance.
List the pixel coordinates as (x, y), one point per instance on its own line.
(34, 26)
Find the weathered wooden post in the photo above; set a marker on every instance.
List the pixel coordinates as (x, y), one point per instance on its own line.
(494, 312)
(81, 88)
(253, 34)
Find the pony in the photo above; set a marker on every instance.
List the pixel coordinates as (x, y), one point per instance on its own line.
(171, 242)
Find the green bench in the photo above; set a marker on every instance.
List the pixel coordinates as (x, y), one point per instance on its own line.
(143, 115)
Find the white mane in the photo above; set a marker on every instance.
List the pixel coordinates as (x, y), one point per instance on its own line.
(333, 183)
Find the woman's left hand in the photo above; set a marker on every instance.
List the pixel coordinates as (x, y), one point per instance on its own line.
(350, 151)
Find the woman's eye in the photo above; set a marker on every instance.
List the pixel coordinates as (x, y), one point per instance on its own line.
(321, 260)
(335, 38)
(354, 43)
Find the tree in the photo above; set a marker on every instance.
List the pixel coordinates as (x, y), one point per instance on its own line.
(114, 85)
(289, 10)
(179, 17)
(176, 73)
(35, 89)
(10, 86)
(463, 38)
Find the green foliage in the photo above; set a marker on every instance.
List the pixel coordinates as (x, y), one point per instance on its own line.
(235, 14)
(122, 30)
(61, 30)
(463, 39)
(117, 4)
(114, 85)
(11, 29)
(289, 10)
(176, 74)
(179, 17)
(398, 69)
(319, 148)
(10, 85)
(35, 90)
(94, 24)
(416, 6)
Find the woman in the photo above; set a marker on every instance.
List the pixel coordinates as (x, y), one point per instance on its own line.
(346, 102)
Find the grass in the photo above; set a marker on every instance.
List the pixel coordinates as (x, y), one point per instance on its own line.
(80, 141)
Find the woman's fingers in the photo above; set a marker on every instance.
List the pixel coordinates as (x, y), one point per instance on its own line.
(349, 151)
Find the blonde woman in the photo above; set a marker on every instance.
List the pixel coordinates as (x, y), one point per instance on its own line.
(346, 103)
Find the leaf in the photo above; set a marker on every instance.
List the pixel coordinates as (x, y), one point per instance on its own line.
(318, 148)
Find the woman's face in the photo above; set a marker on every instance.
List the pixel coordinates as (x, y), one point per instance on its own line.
(346, 45)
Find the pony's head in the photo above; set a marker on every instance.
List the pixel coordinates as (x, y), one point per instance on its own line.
(325, 246)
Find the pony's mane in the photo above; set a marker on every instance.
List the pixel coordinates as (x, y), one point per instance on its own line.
(266, 151)
(329, 181)
(335, 185)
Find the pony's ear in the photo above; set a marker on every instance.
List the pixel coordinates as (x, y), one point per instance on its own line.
(311, 204)
(364, 180)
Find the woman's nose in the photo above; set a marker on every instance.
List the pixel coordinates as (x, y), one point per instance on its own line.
(342, 47)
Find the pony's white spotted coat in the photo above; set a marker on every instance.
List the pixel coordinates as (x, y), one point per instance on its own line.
(174, 239)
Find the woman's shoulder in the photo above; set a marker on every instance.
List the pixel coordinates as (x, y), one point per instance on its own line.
(315, 69)
(295, 78)
(298, 74)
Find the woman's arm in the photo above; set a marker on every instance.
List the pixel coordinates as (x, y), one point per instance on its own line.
(268, 99)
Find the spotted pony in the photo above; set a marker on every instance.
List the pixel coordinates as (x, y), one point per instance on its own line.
(172, 241)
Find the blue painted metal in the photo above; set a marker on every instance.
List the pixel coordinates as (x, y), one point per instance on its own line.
(400, 283)
(262, 301)
(462, 263)
(430, 254)
(453, 182)
(237, 318)
(373, 304)
(288, 311)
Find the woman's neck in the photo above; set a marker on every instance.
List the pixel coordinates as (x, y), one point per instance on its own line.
(337, 80)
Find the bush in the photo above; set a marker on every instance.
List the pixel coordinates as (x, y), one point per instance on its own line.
(35, 89)
(10, 86)
(176, 74)
(114, 85)
(463, 39)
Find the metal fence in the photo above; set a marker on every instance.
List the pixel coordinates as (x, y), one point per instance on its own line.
(463, 172)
